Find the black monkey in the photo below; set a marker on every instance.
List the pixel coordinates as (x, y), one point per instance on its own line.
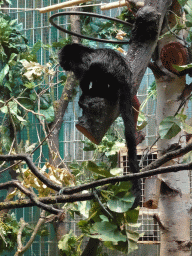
(108, 72)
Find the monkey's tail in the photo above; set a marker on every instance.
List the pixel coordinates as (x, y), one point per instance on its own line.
(127, 115)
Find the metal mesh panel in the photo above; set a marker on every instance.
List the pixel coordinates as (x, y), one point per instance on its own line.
(148, 225)
(36, 27)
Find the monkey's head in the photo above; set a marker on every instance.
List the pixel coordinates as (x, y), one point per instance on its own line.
(72, 56)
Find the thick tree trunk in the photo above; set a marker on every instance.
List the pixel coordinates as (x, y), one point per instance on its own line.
(174, 214)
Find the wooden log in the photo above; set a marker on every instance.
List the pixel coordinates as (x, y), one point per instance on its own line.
(119, 4)
(152, 193)
(113, 5)
(98, 115)
(61, 5)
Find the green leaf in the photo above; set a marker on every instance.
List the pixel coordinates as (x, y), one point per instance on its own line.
(5, 138)
(91, 166)
(141, 122)
(188, 8)
(3, 73)
(181, 68)
(115, 148)
(106, 231)
(187, 128)
(169, 127)
(132, 246)
(21, 119)
(132, 215)
(12, 107)
(8, 1)
(116, 171)
(45, 101)
(30, 85)
(123, 186)
(182, 2)
(132, 235)
(121, 204)
(68, 244)
(104, 218)
(11, 59)
(48, 113)
(36, 47)
(84, 208)
(27, 103)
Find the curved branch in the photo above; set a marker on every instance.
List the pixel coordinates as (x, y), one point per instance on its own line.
(128, 177)
(88, 196)
(72, 190)
(167, 157)
(33, 197)
(21, 249)
(32, 167)
(46, 200)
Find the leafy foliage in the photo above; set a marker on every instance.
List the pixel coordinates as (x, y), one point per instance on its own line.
(108, 148)
(23, 81)
(68, 244)
(171, 126)
(105, 29)
(117, 230)
(9, 227)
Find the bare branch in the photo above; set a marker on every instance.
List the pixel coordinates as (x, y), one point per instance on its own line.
(168, 156)
(73, 190)
(33, 197)
(128, 177)
(22, 249)
(46, 137)
(32, 167)
(88, 196)
(19, 237)
(46, 200)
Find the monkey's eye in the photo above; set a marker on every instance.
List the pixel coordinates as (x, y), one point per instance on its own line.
(108, 85)
(90, 85)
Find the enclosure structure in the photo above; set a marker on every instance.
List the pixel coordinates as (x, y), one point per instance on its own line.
(37, 27)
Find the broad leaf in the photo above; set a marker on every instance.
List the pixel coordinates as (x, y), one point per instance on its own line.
(132, 216)
(91, 166)
(12, 108)
(36, 47)
(107, 231)
(187, 128)
(3, 73)
(121, 204)
(169, 127)
(182, 2)
(48, 113)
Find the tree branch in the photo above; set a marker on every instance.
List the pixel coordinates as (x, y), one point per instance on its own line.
(145, 171)
(33, 197)
(19, 237)
(88, 196)
(21, 249)
(167, 157)
(32, 167)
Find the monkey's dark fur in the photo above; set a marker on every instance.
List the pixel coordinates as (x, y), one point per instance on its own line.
(108, 72)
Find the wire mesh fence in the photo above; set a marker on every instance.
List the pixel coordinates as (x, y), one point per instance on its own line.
(37, 27)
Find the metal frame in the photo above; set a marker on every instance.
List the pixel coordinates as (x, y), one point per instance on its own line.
(92, 15)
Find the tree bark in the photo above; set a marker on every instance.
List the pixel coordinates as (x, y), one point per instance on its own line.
(174, 214)
(60, 107)
(175, 189)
